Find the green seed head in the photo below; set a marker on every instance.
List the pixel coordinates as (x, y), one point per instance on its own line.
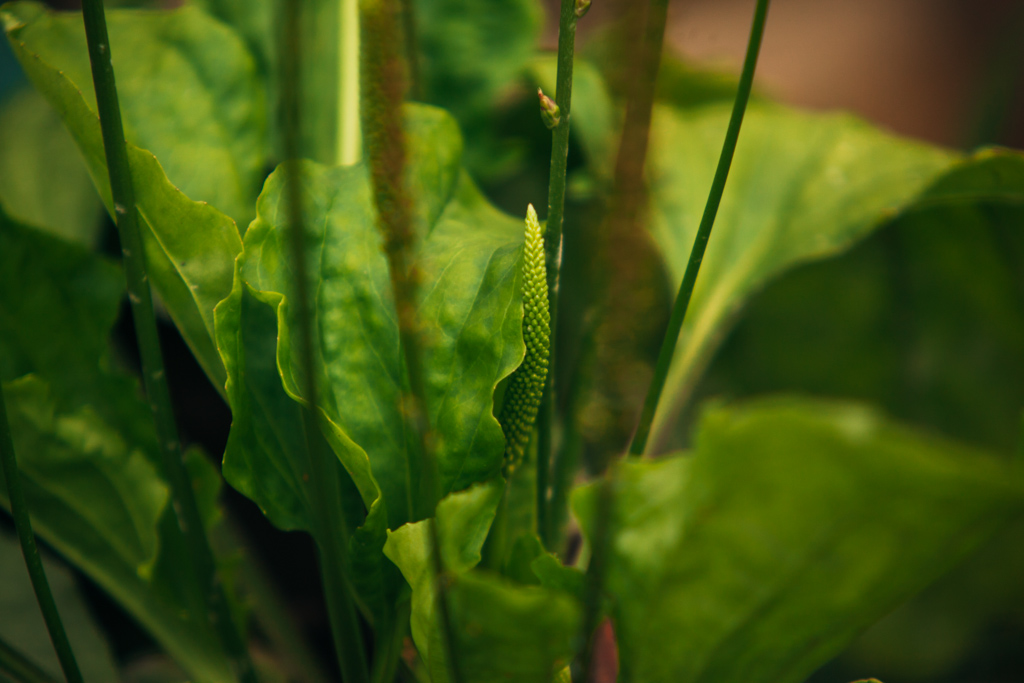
(522, 398)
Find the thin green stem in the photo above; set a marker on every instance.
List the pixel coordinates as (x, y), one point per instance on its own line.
(567, 19)
(19, 667)
(606, 498)
(700, 242)
(153, 376)
(34, 563)
(383, 95)
(330, 530)
(349, 135)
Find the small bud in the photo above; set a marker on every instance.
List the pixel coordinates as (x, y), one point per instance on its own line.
(549, 111)
(582, 7)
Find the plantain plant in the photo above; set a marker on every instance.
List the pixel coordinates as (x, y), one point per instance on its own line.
(450, 400)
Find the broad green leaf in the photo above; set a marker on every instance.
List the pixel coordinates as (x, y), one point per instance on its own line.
(802, 187)
(503, 631)
(924, 319)
(187, 88)
(469, 257)
(86, 443)
(22, 625)
(43, 180)
(190, 246)
(793, 526)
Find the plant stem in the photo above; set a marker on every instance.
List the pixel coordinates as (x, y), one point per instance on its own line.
(383, 94)
(330, 530)
(700, 242)
(349, 136)
(412, 49)
(19, 667)
(153, 376)
(553, 245)
(605, 496)
(34, 564)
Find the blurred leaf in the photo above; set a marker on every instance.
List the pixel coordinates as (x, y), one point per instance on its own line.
(190, 246)
(470, 259)
(504, 631)
(81, 478)
(801, 188)
(964, 622)
(471, 55)
(259, 24)
(22, 624)
(795, 525)
(925, 318)
(86, 443)
(52, 290)
(43, 180)
(187, 87)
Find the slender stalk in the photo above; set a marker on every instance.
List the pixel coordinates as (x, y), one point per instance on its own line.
(349, 137)
(19, 667)
(700, 242)
(412, 48)
(606, 498)
(567, 19)
(384, 91)
(23, 525)
(331, 532)
(153, 375)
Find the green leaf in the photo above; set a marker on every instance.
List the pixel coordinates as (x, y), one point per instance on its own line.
(925, 319)
(23, 627)
(42, 178)
(503, 631)
(81, 476)
(86, 443)
(190, 246)
(52, 291)
(802, 187)
(187, 87)
(793, 526)
(469, 256)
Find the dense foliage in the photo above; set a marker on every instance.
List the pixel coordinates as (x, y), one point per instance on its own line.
(867, 289)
